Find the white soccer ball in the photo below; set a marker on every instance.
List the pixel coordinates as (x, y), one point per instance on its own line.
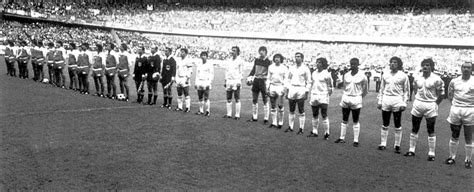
(250, 80)
(156, 76)
(120, 97)
(45, 80)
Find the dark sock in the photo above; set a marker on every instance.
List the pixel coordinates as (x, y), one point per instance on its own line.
(149, 98)
(165, 100)
(154, 99)
(169, 100)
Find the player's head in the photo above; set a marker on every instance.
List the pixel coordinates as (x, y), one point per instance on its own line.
(466, 68)
(123, 47)
(262, 51)
(72, 46)
(153, 49)
(204, 55)
(99, 47)
(184, 52)
(321, 63)
(141, 50)
(58, 44)
(168, 51)
(235, 51)
(299, 57)
(354, 62)
(396, 64)
(278, 58)
(39, 43)
(84, 46)
(50, 45)
(427, 65)
(11, 43)
(110, 46)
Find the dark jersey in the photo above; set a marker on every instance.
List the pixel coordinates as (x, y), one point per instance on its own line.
(260, 68)
(154, 65)
(141, 65)
(169, 70)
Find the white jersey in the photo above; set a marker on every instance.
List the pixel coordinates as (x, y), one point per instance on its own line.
(234, 69)
(394, 85)
(299, 76)
(184, 67)
(461, 92)
(355, 85)
(277, 75)
(428, 89)
(204, 72)
(322, 82)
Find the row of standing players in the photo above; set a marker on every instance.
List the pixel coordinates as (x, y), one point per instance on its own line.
(276, 82)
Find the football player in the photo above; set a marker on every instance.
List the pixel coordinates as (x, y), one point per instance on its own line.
(168, 77)
(153, 75)
(59, 63)
(111, 71)
(139, 73)
(72, 54)
(277, 74)
(183, 78)
(429, 93)
(461, 94)
(259, 75)
(23, 57)
(355, 88)
(83, 66)
(124, 70)
(233, 82)
(299, 82)
(10, 58)
(392, 98)
(204, 77)
(50, 63)
(98, 67)
(321, 89)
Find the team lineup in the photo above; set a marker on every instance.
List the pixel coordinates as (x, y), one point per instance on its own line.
(270, 78)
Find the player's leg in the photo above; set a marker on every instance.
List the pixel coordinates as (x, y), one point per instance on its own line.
(179, 90)
(207, 102)
(266, 104)
(430, 125)
(63, 77)
(86, 83)
(126, 88)
(469, 146)
(281, 110)
(71, 77)
(314, 121)
(154, 86)
(165, 94)
(273, 106)
(325, 120)
(397, 119)
(187, 99)
(384, 130)
(102, 86)
(291, 115)
(149, 86)
(97, 86)
(356, 126)
(302, 117)
(255, 94)
(345, 118)
(238, 105)
(229, 93)
(201, 101)
(454, 143)
(415, 122)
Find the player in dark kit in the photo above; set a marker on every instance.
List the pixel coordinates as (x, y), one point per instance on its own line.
(110, 71)
(167, 77)
(23, 58)
(10, 59)
(139, 73)
(259, 75)
(153, 75)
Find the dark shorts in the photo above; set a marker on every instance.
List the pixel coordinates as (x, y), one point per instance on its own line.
(235, 93)
(259, 85)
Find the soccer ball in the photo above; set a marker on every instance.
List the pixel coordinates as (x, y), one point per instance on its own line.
(156, 76)
(250, 80)
(121, 97)
(45, 80)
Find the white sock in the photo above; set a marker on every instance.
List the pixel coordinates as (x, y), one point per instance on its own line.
(343, 131)
(469, 148)
(255, 111)
(207, 105)
(266, 111)
(229, 108)
(188, 102)
(325, 124)
(413, 139)
(302, 120)
(291, 120)
(274, 116)
(453, 148)
(432, 145)
(180, 102)
(237, 109)
(356, 128)
(398, 136)
(315, 123)
(201, 106)
(280, 116)
(383, 136)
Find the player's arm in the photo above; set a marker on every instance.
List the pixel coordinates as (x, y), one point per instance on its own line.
(406, 89)
(252, 72)
(309, 82)
(329, 84)
(269, 77)
(440, 91)
(364, 86)
(451, 90)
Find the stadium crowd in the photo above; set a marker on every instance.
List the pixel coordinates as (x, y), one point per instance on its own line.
(326, 20)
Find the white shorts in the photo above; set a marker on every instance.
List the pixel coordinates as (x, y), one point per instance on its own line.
(426, 109)
(202, 84)
(232, 85)
(392, 103)
(296, 92)
(276, 91)
(318, 99)
(181, 82)
(352, 102)
(461, 116)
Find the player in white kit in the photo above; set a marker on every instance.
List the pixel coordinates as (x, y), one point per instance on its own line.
(233, 82)
(204, 77)
(429, 93)
(277, 74)
(355, 88)
(461, 94)
(299, 82)
(183, 80)
(321, 89)
(392, 98)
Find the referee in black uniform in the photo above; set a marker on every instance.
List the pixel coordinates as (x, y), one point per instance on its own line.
(167, 77)
(139, 73)
(154, 66)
